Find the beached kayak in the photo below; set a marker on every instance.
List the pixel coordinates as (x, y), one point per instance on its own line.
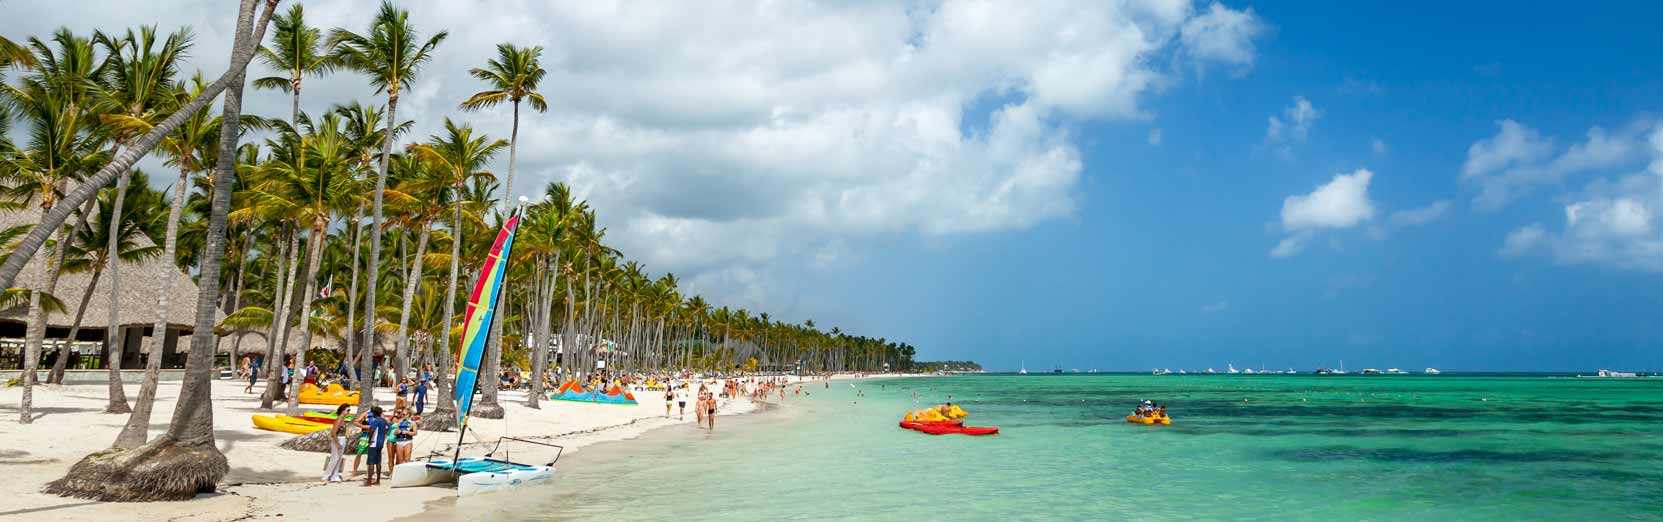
(326, 417)
(287, 424)
(1148, 420)
(949, 428)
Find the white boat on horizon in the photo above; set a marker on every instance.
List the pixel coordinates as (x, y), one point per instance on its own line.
(1431, 371)
(1231, 368)
(1395, 371)
(1210, 371)
(1024, 370)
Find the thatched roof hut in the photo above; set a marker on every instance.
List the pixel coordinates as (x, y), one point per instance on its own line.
(141, 283)
(140, 289)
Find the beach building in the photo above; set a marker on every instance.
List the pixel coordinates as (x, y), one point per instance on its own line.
(141, 284)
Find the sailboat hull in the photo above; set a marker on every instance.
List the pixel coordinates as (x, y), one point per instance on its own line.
(415, 474)
(487, 482)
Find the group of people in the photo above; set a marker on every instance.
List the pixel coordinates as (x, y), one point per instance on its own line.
(704, 403)
(375, 427)
(1148, 408)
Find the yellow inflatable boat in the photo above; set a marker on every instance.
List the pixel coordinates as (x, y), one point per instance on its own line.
(334, 394)
(1163, 420)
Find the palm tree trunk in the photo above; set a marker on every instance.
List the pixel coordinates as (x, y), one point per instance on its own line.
(113, 259)
(540, 350)
(36, 331)
(352, 289)
(183, 461)
(137, 429)
(75, 329)
(444, 413)
(314, 253)
(411, 280)
(280, 317)
(368, 391)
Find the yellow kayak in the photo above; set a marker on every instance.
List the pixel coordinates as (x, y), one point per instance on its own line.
(287, 424)
(1148, 420)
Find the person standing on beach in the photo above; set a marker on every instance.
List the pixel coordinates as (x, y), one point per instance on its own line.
(421, 387)
(710, 413)
(377, 428)
(681, 402)
(337, 444)
(669, 397)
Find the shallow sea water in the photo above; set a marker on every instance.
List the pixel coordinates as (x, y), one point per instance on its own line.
(1450, 447)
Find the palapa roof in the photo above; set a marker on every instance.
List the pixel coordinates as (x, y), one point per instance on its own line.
(141, 283)
(254, 342)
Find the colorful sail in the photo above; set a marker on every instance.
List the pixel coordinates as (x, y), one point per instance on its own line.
(476, 325)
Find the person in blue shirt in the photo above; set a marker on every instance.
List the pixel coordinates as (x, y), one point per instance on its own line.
(346, 374)
(421, 387)
(377, 427)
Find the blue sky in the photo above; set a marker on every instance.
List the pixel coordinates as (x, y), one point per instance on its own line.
(1166, 263)
(1111, 185)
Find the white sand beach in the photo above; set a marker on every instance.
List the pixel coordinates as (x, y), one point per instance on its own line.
(266, 480)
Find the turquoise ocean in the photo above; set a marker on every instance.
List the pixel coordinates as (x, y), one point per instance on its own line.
(1449, 447)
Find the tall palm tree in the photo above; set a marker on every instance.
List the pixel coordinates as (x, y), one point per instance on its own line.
(87, 249)
(390, 55)
(461, 157)
(299, 51)
(310, 191)
(183, 461)
(57, 103)
(190, 149)
(139, 92)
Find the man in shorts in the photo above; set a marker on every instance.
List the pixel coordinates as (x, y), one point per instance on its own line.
(376, 426)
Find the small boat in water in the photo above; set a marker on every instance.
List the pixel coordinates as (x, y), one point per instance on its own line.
(1024, 370)
(1161, 371)
(1394, 371)
(1370, 371)
(1431, 371)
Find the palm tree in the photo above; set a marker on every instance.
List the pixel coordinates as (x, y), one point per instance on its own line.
(545, 237)
(56, 215)
(299, 52)
(56, 101)
(461, 157)
(190, 149)
(140, 78)
(390, 55)
(183, 461)
(310, 191)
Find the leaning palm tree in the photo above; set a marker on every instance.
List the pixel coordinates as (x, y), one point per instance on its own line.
(88, 248)
(390, 55)
(190, 149)
(183, 461)
(299, 51)
(57, 214)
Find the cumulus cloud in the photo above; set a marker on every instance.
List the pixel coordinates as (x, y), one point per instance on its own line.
(724, 141)
(1612, 222)
(1517, 159)
(1295, 122)
(1341, 203)
(1223, 35)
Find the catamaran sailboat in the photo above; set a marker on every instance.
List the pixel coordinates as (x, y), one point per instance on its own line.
(1024, 370)
(478, 474)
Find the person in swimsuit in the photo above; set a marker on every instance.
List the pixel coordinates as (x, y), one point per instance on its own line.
(404, 438)
(710, 413)
(669, 397)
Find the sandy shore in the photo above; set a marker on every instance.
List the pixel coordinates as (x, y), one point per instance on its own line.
(267, 480)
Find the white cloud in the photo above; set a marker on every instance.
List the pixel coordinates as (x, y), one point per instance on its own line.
(1215, 307)
(1341, 203)
(725, 141)
(1612, 222)
(1294, 123)
(1523, 240)
(1223, 35)
(1378, 146)
(1517, 159)
(1421, 216)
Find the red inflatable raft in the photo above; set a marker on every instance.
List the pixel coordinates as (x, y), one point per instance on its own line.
(949, 428)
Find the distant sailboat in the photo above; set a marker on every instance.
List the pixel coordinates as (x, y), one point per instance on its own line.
(1432, 371)
(1024, 370)
(1231, 368)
